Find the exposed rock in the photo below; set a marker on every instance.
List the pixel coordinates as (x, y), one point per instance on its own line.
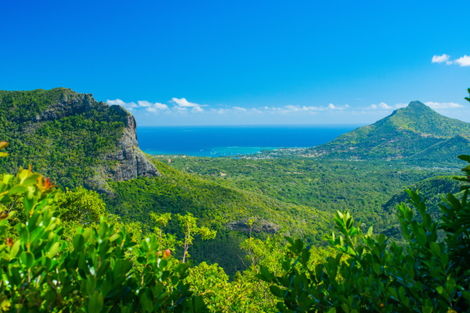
(131, 161)
(123, 160)
(70, 104)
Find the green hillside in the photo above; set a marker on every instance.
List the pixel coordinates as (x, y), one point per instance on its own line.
(432, 189)
(443, 151)
(405, 133)
(360, 187)
(63, 251)
(70, 137)
(219, 205)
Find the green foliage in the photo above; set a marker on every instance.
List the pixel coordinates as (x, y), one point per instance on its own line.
(216, 204)
(361, 187)
(432, 190)
(62, 251)
(81, 206)
(456, 223)
(443, 152)
(101, 269)
(370, 274)
(245, 293)
(190, 230)
(62, 134)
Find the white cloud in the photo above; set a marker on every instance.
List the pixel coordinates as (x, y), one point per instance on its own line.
(141, 104)
(443, 58)
(183, 104)
(431, 104)
(240, 109)
(298, 108)
(463, 61)
(116, 102)
(311, 109)
(381, 105)
(443, 105)
(128, 105)
(386, 106)
(152, 106)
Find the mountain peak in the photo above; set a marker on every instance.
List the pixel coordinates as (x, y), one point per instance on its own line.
(404, 133)
(417, 104)
(415, 110)
(417, 107)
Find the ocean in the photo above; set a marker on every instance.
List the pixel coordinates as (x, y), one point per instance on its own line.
(219, 141)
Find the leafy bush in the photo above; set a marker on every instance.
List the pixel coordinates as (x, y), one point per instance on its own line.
(371, 274)
(101, 269)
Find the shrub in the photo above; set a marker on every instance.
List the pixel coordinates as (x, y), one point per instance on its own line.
(428, 273)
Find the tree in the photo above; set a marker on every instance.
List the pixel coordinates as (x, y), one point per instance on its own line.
(98, 268)
(190, 230)
(369, 273)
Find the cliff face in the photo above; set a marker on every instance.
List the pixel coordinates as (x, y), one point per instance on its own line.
(131, 162)
(71, 137)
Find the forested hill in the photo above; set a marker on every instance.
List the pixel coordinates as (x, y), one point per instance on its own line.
(415, 132)
(70, 137)
(78, 141)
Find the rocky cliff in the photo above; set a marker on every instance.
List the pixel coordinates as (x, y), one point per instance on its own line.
(131, 161)
(71, 137)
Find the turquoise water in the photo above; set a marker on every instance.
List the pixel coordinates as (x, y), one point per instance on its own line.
(217, 141)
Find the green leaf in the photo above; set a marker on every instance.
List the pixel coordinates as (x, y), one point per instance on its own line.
(53, 250)
(27, 259)
(14, 250)
(95, 302)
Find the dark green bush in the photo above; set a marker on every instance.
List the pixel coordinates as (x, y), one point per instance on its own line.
(371, 274)
(100, 269)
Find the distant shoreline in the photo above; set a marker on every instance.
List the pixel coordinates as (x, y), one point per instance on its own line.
(227, 141)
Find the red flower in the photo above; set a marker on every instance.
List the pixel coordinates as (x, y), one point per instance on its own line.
(166, 253)
(44, 184)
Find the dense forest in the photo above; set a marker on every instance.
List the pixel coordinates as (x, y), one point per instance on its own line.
(62, 252)
(290, 234)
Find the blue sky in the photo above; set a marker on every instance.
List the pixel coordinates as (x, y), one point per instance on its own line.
(243, 62)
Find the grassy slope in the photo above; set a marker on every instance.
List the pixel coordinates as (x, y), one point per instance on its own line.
(362, 187)
(444, 151)
(216, 204)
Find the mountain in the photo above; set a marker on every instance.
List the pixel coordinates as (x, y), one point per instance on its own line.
(78, 141)
(70, 137)
(406, 133)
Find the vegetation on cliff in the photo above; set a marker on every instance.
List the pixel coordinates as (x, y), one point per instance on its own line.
(70, 137)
